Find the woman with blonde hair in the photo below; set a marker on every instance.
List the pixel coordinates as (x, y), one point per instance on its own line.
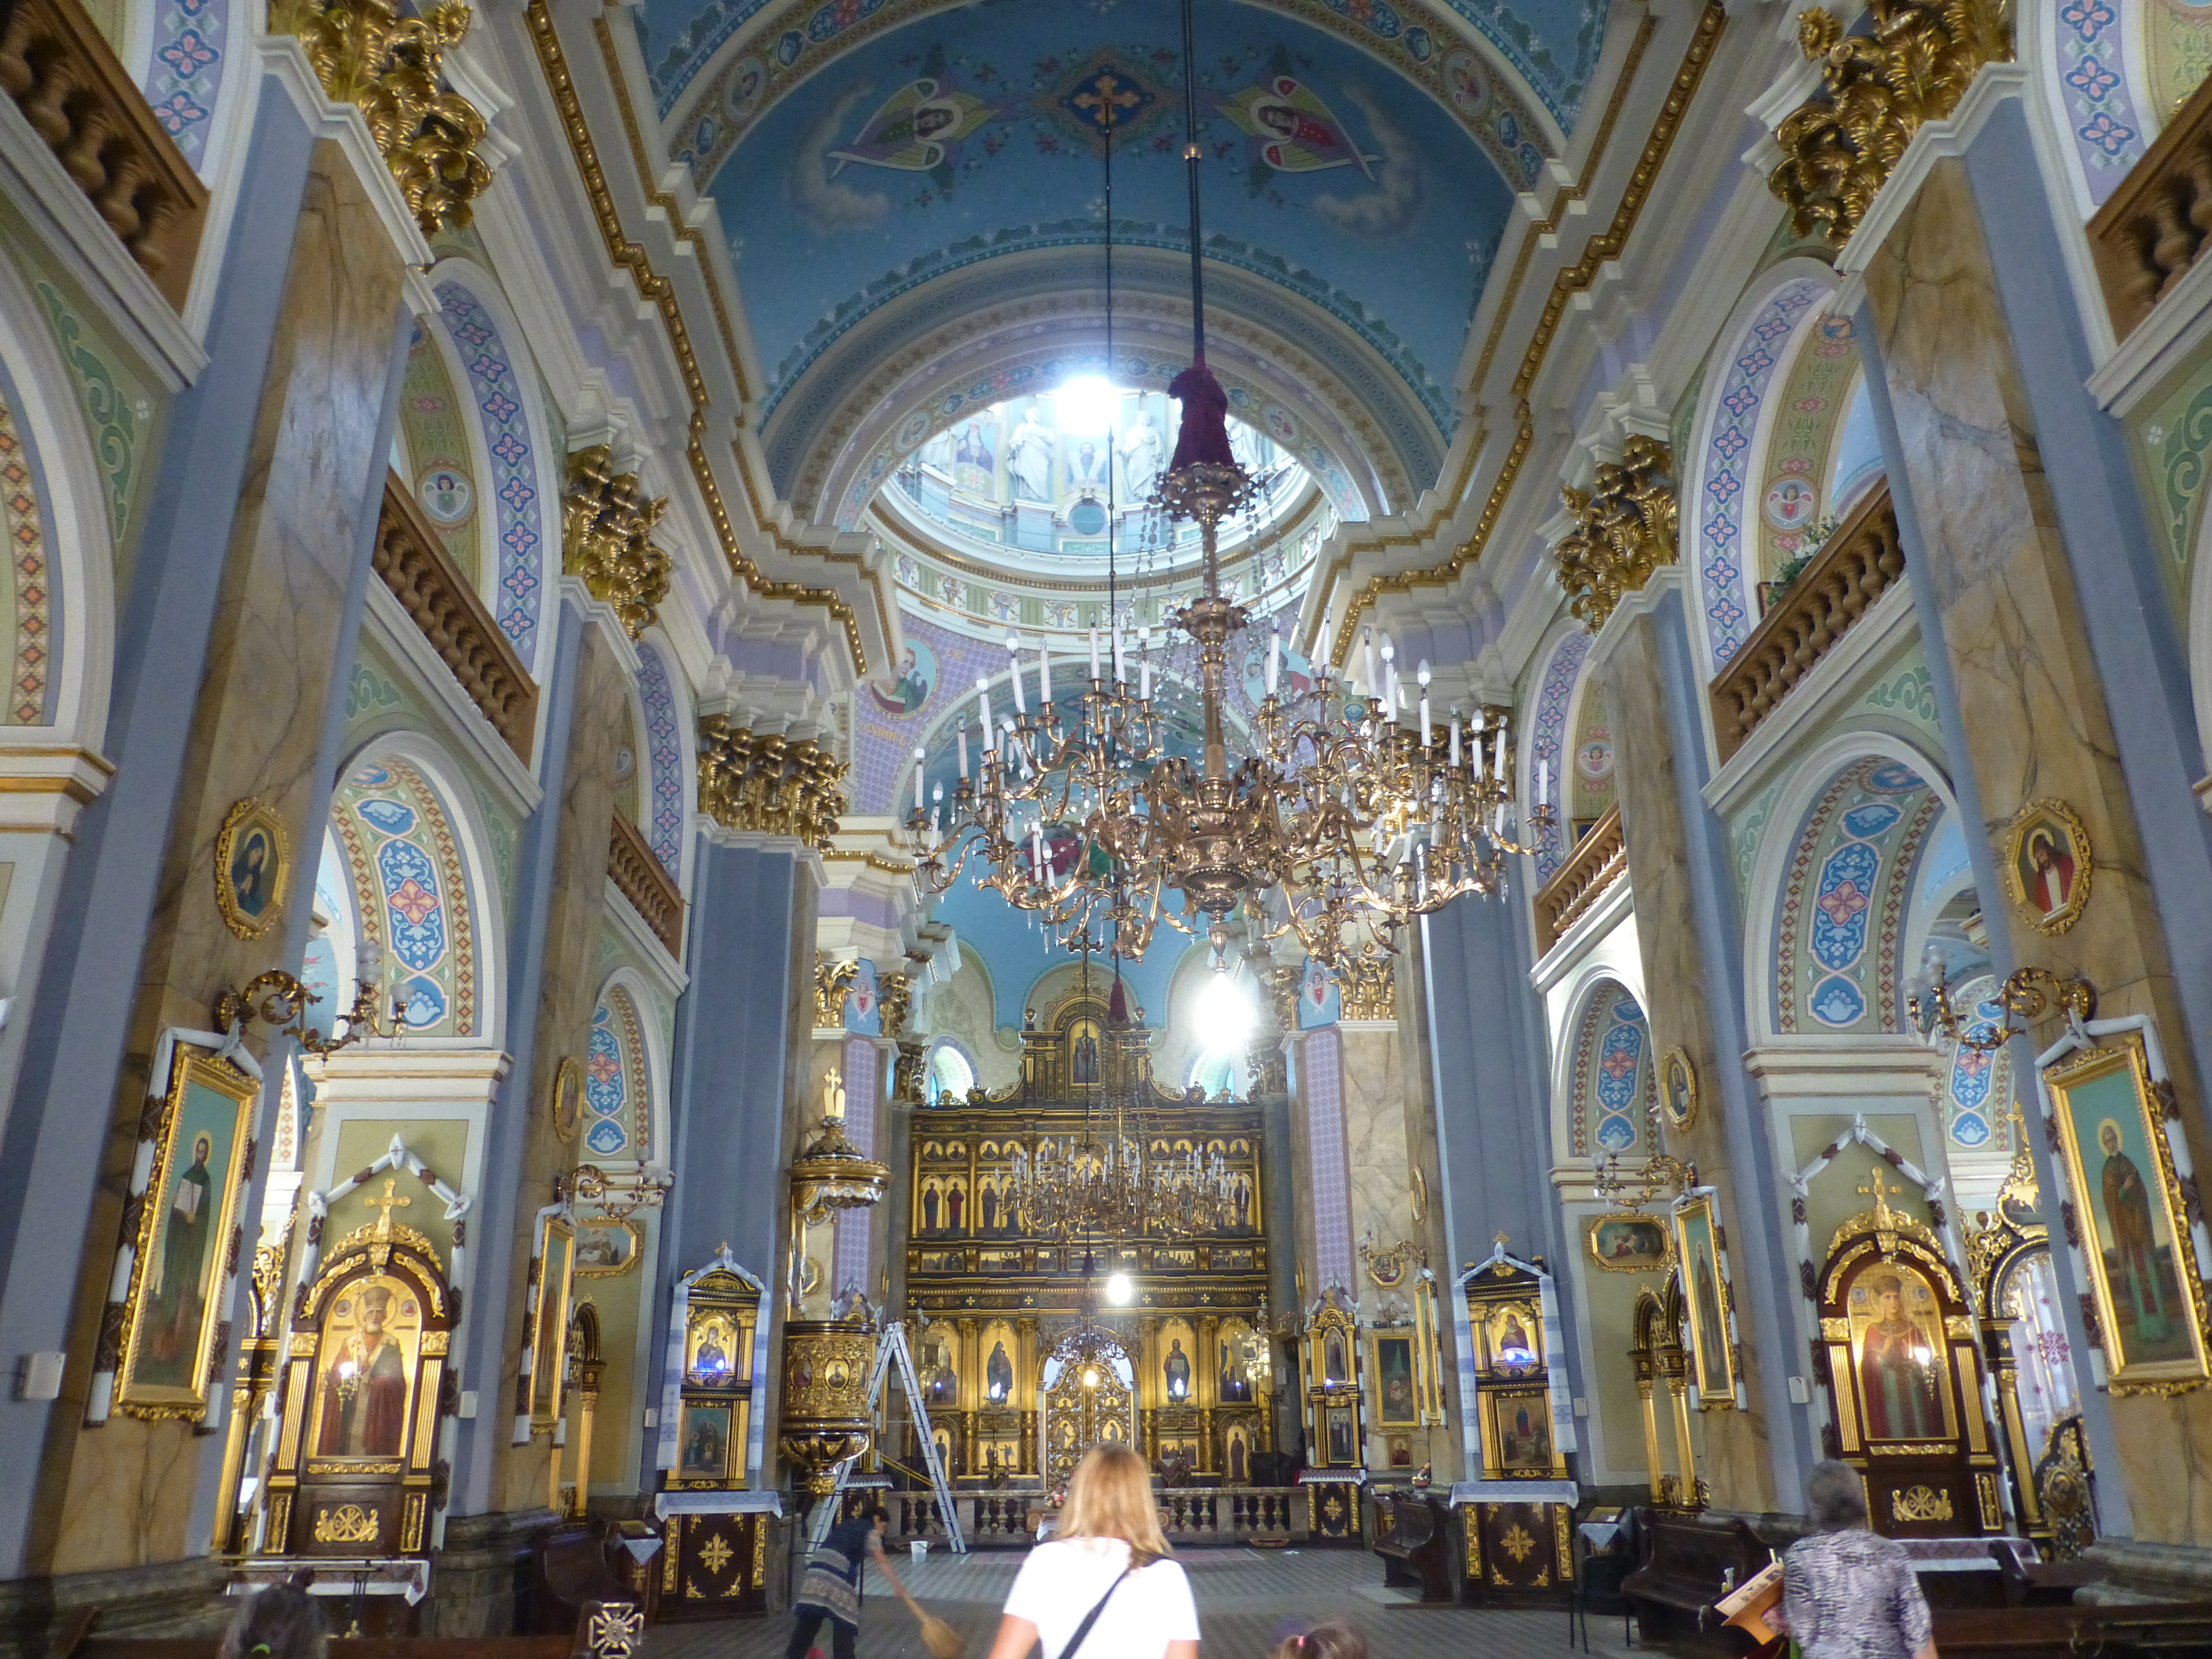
(1105, 1586)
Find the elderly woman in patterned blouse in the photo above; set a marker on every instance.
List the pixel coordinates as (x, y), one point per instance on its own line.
(1847, 1594)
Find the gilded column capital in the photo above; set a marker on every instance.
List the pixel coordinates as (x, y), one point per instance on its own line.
(832, 981)
(606, 537)
(1369, 985)
(367, 54)
(768, 784)
(1625, 527)
(1876, 91)
(895, 999)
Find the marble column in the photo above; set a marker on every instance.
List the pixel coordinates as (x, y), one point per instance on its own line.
(244, 618)
(580, 818)
(1485, 1048)
(1693, 975)
(1990, 554)
(739, 1083)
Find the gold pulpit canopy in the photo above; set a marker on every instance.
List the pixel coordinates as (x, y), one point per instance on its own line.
(831, 1174)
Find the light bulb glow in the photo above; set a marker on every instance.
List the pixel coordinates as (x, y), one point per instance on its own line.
(1120, 1290)
(1086, 405)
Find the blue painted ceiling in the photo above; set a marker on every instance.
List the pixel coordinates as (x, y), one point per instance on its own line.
(958, 137)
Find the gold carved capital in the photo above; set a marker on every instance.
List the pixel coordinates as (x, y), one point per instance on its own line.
(769, 784)
(1876, 91)
(367, 54)
(832, 979)
(606, 537)
(1624, 528)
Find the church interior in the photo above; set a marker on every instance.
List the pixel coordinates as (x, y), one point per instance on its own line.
(775, 755)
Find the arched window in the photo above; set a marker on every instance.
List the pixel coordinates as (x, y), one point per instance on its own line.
(949, 1074)
(1225, 1015)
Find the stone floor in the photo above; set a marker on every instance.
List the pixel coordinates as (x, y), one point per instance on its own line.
(1248, 1600)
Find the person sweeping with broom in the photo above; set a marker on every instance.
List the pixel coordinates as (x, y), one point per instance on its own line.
(831, 1590)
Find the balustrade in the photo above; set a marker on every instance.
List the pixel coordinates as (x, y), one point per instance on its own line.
(1188, 1514)
(1862, 557)
(437, 596)
(81, 100)
(645, 882)
(2150, 230)
(1599, 860)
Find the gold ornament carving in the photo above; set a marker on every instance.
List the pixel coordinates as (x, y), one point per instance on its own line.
(367, 54)
(1876, 91)
(1369, 982)
(1920, 1504)
(348, 1523)
(832, 979)
(769, 784)
(894, 1001)
(607, 522)
(1624, 528)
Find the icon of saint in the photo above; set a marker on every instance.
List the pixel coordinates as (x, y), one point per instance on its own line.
(2137, 1290)
(365, 1387)
(1898, 1380)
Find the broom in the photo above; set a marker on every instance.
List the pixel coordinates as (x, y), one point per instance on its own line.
(940, 1638)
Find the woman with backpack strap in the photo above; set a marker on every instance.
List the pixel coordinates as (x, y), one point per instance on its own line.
(1104, 1588)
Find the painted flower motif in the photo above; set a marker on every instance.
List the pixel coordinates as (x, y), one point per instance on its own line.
(177, 112)
(1844, 902)
(1755, 362)
(2092, 79)
(411, 900)
(187, 55)
(500, 407)
(1618, 1062)
(2110, 136)
(510, 449)
(1731, 443)
(517, 494)
(2086, 17)
(603, 1066)
(475, 334)
(1741, 402)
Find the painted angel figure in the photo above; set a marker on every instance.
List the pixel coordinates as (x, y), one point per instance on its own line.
(1293, 130)
(918, 129)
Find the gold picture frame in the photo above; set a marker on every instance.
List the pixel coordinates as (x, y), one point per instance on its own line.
(252, 868)
(2048, 864)
(548, 1324)
(2151, 1317)
(608, 1246)
(567, 1103)
(1701, 1257)
(1619, 1243)
(183, 1243)
(1678, 1088)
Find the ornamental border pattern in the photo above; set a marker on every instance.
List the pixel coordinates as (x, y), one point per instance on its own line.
(1555, 697)
(189, 40)
(2109, 133)
(1722, 491)
(664, 756)
(499, 396)
(31, 581)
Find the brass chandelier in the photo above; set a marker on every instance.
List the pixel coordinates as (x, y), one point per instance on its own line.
(1340, 825)
(1099, 1183)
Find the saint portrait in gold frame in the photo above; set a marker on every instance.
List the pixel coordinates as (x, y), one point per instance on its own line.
(186, 1219)
(2047, 865)
(549, 1329)
(567, 1104)
(1678, 1088)
(252, 868)
(1699, 1256)
(2135, 1237)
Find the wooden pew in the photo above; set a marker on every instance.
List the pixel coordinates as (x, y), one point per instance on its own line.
(1412, 1535)
(1683, 1566)
(2122, 1630)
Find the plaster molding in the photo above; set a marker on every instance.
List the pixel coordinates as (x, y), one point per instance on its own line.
(2164, 342)
(645, 946)
(1847, 1068)
(598, 613)
(1592, 930)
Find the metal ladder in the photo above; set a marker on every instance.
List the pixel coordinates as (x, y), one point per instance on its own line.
(893, 1347)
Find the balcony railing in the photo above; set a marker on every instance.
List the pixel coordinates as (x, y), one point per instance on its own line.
(1599, 860)
(430, 588)
(1210, 1515)
(2151, 229)
(646, 882)
(1854, 568)
(80, 100)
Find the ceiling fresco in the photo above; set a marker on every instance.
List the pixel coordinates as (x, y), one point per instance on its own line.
(974, 135)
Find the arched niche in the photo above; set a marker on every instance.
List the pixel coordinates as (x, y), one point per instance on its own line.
(419, 884)
(1549, 733)
(438, 450)
(623, 1092)
(666, 761)
(1826, 925)
(524, 478)
(1721, 491)
(1611, 1073)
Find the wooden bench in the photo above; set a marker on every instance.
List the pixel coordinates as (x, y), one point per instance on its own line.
(1685, 1564)
(2126, 1630)
(1413, 1536)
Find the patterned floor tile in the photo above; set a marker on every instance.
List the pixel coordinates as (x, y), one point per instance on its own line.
(1248, 1600)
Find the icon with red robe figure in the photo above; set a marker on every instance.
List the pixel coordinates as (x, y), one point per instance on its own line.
(364, 1405)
